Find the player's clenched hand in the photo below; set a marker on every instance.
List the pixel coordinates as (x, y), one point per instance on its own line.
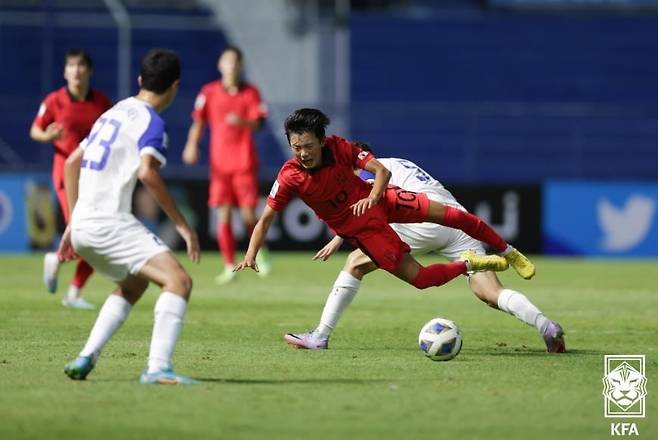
(329, 249)
(192, 242)
(363, 205)
(233, 118)
(54, 131)
(247, 262)
(190, 154)
(65, 251)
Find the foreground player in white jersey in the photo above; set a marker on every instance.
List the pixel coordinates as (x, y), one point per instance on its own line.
(423, 238)
(126, 143)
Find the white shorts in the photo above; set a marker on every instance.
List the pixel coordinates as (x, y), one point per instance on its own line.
(116, 249)
(430, 237)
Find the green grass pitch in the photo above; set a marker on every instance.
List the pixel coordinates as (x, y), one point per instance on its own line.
(373, 382)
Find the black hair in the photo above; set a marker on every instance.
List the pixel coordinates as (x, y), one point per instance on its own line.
(235, 49)
(306, 120)
(160, 68)
(79, 53)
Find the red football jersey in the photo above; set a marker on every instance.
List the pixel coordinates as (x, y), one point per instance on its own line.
(329, 190)
(232, 147)
(77, 118)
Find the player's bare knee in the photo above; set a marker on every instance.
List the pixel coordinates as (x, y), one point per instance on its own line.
(358, 265)
(224, 213)
(249, 216)
(360, 270)
(353, 269)
(179, 283)
(186, 281)
(351, 261)
(355, 272)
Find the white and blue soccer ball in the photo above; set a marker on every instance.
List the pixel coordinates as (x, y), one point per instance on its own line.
(440, 339)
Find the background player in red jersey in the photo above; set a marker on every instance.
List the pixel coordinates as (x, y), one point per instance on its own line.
(321, 174)
(64, 119)
(232, 109)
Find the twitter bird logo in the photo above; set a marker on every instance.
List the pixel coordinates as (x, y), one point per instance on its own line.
(625, 228)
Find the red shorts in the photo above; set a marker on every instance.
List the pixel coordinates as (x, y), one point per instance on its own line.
(376, 238)
(404, 206)
(58, 184)
(235, 189)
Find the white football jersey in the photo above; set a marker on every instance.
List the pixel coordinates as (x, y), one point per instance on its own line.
(427, 237)
(410, 176)
(112, 156)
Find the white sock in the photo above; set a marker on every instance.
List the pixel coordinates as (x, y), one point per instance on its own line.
(73, 293)
(517, 304)
(115, 310)
(342, 294)
(169, 312)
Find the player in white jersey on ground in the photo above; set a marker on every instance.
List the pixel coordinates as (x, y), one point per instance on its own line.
(128, 142)
(423, 238)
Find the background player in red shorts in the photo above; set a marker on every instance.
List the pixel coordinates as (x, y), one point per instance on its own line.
(232, 109)
(65, 118)
(321, 174)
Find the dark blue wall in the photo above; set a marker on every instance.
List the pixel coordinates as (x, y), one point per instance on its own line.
(22, 87)
(483, 97)
(473, 97)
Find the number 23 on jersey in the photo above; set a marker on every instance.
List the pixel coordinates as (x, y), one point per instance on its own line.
(99, 143)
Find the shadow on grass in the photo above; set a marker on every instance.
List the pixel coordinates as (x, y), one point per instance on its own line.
(291, 381)
(517, 352)
(228, 381)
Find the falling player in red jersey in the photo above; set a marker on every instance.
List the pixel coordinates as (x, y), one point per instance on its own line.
(64, 119)
(233, 110)
(321, 174)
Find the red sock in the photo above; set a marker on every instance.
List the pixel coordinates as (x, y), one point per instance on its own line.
(438, 274)
(82, 273)
(226, 242)
(473, 226)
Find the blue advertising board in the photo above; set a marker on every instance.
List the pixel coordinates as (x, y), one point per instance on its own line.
(616, 219)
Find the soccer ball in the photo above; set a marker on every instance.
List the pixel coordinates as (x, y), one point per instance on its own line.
(440, 339)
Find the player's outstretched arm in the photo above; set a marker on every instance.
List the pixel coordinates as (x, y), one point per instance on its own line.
(191, 150)
(72, 176)
(329, 249)
(382, 176)
(149, 174)
(257, 239)
(65, 250)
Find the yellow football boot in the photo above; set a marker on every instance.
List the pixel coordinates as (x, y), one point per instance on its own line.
(521, 264)
(483, 263)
